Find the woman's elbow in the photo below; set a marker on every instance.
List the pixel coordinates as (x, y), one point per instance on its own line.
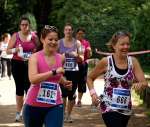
(89, 78)
(32, 80)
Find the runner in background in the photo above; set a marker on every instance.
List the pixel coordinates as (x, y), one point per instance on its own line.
(5, 58)
(83, 65)
(43, 105)
(121, 74)
(22, 44)
(71, 49)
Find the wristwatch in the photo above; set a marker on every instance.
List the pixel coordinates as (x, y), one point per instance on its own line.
(54, 72)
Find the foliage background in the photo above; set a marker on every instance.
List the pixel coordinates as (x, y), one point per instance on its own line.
(101, 18)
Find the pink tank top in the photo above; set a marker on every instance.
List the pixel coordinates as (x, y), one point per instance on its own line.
(85, 45)
(27, 46)
(33, 92)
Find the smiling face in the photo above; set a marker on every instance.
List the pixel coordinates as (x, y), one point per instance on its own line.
(50, 42)
(122, 46)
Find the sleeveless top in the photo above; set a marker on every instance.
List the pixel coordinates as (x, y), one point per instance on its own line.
(70, 61)
(33, 97)
(117, 89)
(3, 49)
(28, 46)
(85, 44)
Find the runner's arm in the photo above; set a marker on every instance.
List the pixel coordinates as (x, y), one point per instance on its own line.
(99, 69)
(80, 53)
(102, 53)
(141, 82)
(139, 52)
(34, 76)
(11, 45)
(130, 53)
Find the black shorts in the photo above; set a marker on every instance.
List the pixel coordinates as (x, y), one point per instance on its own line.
(115, 119)
(83, 69)
(20, 75)
(72, 76)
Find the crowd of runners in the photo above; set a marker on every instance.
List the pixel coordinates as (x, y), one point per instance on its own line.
(51, 79)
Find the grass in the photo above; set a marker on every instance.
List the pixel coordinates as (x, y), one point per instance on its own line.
(136, 98)
(146, 69)
(148, 112)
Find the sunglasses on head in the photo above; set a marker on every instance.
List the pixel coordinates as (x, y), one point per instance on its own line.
(121, 33)
(52, 28)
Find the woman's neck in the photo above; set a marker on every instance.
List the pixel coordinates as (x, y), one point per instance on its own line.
(48, 53)
(68, 39)
(25, 33)
(120, 58)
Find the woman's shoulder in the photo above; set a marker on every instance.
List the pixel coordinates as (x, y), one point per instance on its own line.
(58, 54)
(134, 59)
(15, 34)
(35, 54)
(103, 61)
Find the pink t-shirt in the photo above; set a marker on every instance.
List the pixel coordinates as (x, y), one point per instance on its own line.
(31, 98)
(85, 45)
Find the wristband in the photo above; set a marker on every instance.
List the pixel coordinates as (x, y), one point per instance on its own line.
(92, 91)
(13, 50)
(54, 72)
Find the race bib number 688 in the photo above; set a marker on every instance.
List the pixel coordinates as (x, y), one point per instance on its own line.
(120, 99)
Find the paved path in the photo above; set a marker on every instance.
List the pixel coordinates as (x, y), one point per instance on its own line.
(82, 116)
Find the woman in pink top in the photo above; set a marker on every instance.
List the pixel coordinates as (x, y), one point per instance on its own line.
(22, 44)
(43, 105)
(83, 66)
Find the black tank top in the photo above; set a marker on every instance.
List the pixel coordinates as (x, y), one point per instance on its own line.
(118, 70)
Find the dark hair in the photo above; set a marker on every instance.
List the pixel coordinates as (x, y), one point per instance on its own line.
(114, 39)
(69, 24)
(48, 29)
(23, 17)
(80, 29)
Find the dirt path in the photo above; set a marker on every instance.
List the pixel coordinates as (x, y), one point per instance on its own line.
(83, 117)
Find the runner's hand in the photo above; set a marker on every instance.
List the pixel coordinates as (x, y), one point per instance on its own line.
(95, 99)
(73, 53)
(137, 86)
(60, 70)
(68, 84)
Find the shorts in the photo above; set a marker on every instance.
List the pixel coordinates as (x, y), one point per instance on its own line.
(115, 119)
(71, 76)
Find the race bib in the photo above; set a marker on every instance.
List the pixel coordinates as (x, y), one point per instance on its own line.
(120, 99)
(70, 64)
(26, 55)
(47, 93)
